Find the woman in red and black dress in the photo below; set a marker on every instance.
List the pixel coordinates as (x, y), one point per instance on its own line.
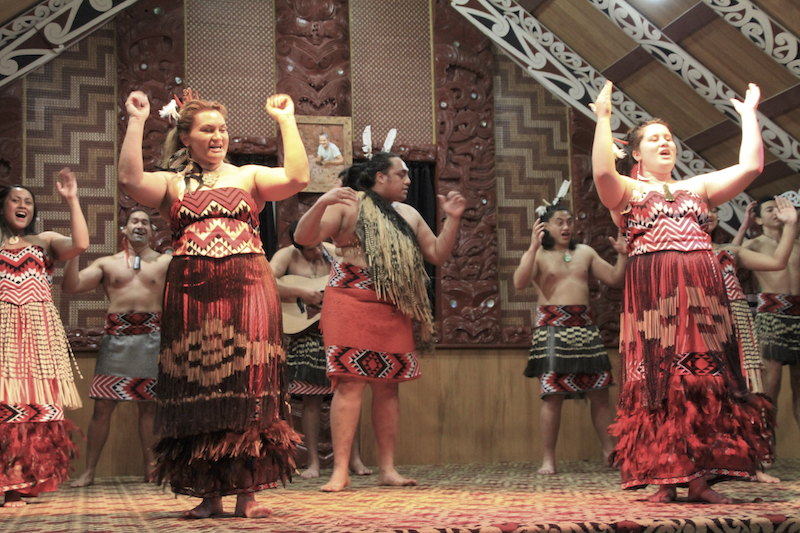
(221, 395)
(36, 383)
(684, 411)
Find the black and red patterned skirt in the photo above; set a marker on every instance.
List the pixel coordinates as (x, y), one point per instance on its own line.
(222, 392)
(567, 352)
(778, 325)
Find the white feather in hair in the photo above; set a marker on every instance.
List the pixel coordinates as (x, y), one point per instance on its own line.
(170, 111)
(366, 139)
(387, 144)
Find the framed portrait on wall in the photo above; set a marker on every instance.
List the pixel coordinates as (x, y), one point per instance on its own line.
(329, 145)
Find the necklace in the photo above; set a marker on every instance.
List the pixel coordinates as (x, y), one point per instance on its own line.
(566, 257)
(14, 239)
(210, 178)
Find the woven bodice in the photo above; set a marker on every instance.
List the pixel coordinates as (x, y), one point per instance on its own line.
(215, 223)
(653, 224)
(25, 275)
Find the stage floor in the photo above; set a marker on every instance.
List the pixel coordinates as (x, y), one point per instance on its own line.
(486, 498)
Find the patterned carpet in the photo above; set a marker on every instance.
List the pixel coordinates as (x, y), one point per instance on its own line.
(491, 498)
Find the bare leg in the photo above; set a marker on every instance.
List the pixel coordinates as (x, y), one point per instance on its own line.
(601, 418)
(794, 376)
(147, 411)
(700, 491)
(246, 504)
(773, 371)
(665, 494)
(208, 507)
(345, 413)
(356, 465)
(312, 409)
(14, 499)
(763, 477)
(96, 439)
(550, 420)
(385, 419)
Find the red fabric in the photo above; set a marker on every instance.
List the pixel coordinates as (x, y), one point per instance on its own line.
(35, 457)
(132, 323)
(701, 430)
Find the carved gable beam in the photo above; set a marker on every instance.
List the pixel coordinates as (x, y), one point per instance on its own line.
(566, 74)
(43, 32)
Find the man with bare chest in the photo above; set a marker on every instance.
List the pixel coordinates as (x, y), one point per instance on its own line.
(127, 362)
(778, 318)
(567, 353)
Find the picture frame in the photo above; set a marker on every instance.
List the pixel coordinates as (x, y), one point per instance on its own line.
(325, 169)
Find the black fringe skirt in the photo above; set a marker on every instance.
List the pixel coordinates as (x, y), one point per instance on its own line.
(222, 390)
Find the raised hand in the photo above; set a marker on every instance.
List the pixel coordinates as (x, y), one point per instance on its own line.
(280, 106)
(453, 205)
(619, 244)
(67, 184)
(602, 105)
(137, 105)
(751, 99)
(537, 235)
(785, 210)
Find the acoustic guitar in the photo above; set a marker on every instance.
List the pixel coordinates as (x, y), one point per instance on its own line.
(297, 316)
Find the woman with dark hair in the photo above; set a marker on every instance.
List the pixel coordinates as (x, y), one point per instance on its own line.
(36, 383)
(684, 410)
(221, 395)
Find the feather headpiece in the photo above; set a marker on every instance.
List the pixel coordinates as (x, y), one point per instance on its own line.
(172, 109)
(366, 139)
(562, 192)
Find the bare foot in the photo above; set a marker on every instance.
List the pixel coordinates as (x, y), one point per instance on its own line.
(13, 499)
(665, 494)
(763, 477)
(394, 479)
(86, 479)
(310, 473)
(701, 492)
(208, 507)
(359, 468)
(248, 507)
(337, 483)
(548, 467)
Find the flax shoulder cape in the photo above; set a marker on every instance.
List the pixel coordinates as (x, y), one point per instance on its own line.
(395, 263)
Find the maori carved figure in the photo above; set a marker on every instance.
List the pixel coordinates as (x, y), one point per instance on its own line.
(150, 58)
(313, 55)
(11, 134)
(593, 226)
(463, 78)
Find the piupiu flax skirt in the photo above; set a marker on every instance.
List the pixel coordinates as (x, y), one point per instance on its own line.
(684, 409)
(222, 391)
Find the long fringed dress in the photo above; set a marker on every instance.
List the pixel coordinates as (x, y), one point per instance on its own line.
(222, 392)
(36, 382)
(684, 410)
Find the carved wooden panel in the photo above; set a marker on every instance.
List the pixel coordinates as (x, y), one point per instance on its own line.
(150, 58)
(11, 133)
(469, 307)
(313, 55)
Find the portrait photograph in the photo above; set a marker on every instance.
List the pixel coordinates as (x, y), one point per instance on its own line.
(329, 145)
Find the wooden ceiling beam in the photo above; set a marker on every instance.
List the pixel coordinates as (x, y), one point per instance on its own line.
(772, 172)
(772, 107)
(530, 5)
(626, 65)
(692, 20)
(783, 102)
